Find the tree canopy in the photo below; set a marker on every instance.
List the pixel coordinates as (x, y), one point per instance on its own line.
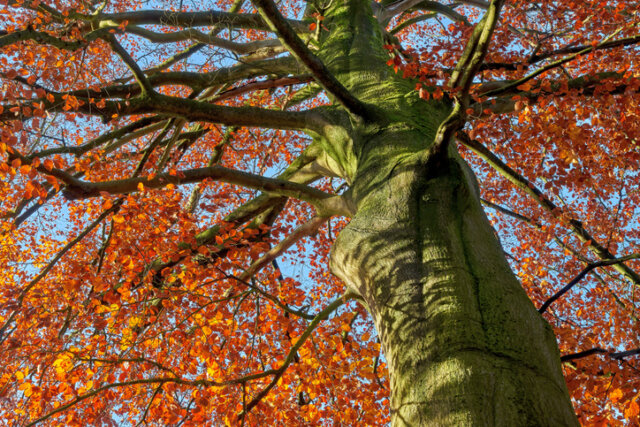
(169, 203)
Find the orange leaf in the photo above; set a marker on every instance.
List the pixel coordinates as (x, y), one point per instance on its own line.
(615, 395)
(633, 410)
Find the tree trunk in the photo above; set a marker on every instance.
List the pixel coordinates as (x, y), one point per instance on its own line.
(463, 342)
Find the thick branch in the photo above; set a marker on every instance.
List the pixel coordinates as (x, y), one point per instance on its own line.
(476, 48)
(189, 109)
(192, 34)
(198, 81)
(460, 81)
(188, 19)
(290, 39)
(41, 37)
(77, 189)
(266, 84)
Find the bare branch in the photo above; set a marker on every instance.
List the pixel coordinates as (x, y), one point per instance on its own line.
(266, 84)
(7, 38)
(304, 230)
(550, 66)
(199, 81)
(626, 41)
(128, 132)
(399, 7)
(130, 62)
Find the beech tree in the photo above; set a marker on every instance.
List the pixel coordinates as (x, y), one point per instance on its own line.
(341, 212)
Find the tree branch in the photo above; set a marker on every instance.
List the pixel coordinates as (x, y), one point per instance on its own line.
(461, 78)
(25, 290)
(157, 380)
(186, 19)
(597, 350)
(626, 41)
(41, 37)
(290, 39)
(557, 212)
(305, 229)
(476, 49)
(199, 81)
(130, 62)
(581, 275)
(199, 36)
(399, 7)
(127, 133)
(266, 84)
(78, 189)
(548, 67)
(324, 314)
(193, 110)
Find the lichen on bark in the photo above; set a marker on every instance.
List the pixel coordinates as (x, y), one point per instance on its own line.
(464, 344)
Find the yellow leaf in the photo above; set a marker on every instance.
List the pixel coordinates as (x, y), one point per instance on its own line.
(118, 219)
(19, 375)
(615, 395)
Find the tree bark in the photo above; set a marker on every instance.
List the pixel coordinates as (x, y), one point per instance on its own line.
(463, 343)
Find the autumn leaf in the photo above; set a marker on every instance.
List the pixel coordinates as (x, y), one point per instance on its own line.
(632, 410)
(187, 195)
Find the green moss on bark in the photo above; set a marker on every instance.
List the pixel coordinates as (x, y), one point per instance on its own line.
(464, 344)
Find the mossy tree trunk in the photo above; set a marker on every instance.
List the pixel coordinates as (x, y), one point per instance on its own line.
(464, 344)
